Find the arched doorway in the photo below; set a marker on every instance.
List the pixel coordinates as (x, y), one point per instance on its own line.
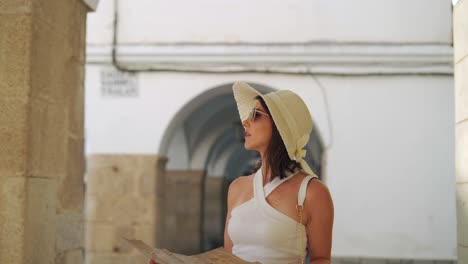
(204, 146)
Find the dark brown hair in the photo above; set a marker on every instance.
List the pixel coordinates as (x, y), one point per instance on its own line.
(276, 155)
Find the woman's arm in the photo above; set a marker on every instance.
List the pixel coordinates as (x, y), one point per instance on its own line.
(230, 202)
(318, 207)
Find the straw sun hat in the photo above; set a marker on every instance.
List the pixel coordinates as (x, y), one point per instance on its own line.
(289, 112)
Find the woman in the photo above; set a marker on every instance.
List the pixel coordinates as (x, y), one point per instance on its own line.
(275, 213)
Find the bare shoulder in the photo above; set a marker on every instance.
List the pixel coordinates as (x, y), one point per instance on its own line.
(241, 182)
(318, 202)
(239, 185)
(317, 191)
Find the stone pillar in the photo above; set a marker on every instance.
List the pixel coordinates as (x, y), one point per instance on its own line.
(183, 211)
(215, 207)
(460, 26)
(160, 201)
(121, 201)
(42, 46)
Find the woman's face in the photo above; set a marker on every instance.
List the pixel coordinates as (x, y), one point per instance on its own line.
(258, 132)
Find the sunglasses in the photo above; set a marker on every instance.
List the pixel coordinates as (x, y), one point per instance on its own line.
(255, 112)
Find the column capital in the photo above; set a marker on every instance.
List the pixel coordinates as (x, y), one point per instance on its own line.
(91, 4)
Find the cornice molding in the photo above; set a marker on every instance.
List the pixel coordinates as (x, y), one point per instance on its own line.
(318, 58)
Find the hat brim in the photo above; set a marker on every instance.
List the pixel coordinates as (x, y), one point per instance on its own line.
(285, 121)
(244, 95)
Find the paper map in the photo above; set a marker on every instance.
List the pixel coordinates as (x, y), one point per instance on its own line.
(163, 256)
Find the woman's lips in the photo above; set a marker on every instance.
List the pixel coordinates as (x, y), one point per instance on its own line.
(246, 134)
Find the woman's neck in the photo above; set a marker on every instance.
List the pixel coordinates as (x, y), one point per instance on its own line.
(266, 172)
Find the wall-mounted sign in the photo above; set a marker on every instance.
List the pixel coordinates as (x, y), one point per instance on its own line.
(118, 84)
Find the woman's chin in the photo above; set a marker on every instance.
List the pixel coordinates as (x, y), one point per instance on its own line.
(248, 146)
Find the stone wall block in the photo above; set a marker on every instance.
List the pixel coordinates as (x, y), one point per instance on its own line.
(71, 185)
(75, 99)
(462, 213)
(94, 258)
(146, 176)
(460, 32)
(145, 232)
(113, 174)
(117, 207)
(110, 180)
(182, 213)
(461, 91)
(40, 220)
(13, 111)
(132, 209)
(15, 7)
(48, 79)
(77, 33)
(461, 153)
(70, 232)
(75, 256)
(462, 254)
(101, 207)
(119, 245)
(160, 193)
(105, 238)
(47, 140)
(12, 218)
(99, 237)
(58, 21)
(213, 221)
(15, 44)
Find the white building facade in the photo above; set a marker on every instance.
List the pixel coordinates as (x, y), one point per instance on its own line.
(376, 76)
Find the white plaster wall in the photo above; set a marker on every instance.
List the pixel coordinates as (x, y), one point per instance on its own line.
(390, 165)
(267, 21)
(390, 168)
(138, 124)
(100, 24)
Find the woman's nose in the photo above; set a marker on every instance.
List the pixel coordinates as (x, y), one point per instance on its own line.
(245, 123)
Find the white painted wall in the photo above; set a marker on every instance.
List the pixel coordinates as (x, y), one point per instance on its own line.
(267, 21)
(138, 123)
(390, 164)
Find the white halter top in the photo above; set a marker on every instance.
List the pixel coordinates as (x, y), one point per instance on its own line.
(261, 233)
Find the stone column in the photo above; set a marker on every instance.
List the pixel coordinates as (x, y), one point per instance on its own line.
(121, 201)
(183, 211)
(215, 207)
(160, 201)
(42, 46)
(460, 25)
